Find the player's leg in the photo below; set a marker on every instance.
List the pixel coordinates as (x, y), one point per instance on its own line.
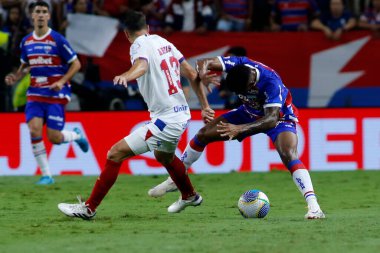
(286, 145)
(35, 119)
(87, 210)
(195, 147)
(178, 173)
(193, 151)
(134, 144)
(55, 122)
(205, 135)
(115, 156)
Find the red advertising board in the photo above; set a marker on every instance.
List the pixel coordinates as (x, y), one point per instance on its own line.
(329, 140)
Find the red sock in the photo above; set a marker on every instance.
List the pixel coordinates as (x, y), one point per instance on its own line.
(103, 184)
(177, 172)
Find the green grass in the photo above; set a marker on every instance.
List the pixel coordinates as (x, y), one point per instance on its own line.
(130, 221)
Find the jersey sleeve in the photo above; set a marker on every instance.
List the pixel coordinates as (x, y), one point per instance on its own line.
(66, 51)
(177, 54)
(139, 51)
(231, 61)
(273, 95)
(23, 56)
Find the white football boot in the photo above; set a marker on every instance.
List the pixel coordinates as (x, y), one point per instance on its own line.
(181, 204)
(318, 214)
(80, 210)
(160, 190)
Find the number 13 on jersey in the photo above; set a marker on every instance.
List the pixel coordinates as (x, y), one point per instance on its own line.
(174, 64)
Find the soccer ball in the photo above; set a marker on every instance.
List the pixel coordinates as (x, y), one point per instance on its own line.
(253, 204)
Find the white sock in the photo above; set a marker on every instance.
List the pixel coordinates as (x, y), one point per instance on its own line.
(39, 152)
(69, 136)
(301, 178)
(190, 156)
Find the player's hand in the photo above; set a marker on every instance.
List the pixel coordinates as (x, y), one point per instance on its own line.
(228, 130)
(208, 115)
(208, 79)
(120, 80)
(57, 86)
(10, 79)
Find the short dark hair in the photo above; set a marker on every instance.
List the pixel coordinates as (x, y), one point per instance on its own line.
(237, 51)
(134, 21)
(237, 79)
(40, 3)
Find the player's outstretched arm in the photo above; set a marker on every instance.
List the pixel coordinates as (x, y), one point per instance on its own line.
(139, 68)
(12, 78)
(190, 73)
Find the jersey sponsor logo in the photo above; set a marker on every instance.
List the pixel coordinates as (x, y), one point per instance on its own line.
(56, 118)
(180, 108)
(165, 50)
(41, 61)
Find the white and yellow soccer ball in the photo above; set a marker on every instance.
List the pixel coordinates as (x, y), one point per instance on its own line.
(254, 204)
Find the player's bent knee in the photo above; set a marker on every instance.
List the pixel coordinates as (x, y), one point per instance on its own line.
(35, 131)
(115, 154)
(202, 135)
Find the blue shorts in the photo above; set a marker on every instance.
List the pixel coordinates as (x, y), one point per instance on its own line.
(53, 114)
(241, 116)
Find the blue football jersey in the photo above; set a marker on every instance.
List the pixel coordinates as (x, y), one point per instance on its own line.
(49, 57)
(269, 91)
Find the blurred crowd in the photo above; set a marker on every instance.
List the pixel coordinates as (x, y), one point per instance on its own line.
(332, 17)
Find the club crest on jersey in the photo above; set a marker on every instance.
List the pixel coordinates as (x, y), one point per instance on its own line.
(47, 49)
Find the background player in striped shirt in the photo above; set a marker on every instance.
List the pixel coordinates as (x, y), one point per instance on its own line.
(51, 62)
(157, 66)
(267, 108)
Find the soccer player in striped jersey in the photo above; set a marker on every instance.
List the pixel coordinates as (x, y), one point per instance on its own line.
(267, 108)
(51, 62)
(157, 65)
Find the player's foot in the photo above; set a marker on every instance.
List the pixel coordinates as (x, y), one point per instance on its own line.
(318, 214)
(160, 190)
(45, 180)
(80, 210)
(82, 141)
(181, 204)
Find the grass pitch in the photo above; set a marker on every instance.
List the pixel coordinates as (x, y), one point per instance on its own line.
(130, 221)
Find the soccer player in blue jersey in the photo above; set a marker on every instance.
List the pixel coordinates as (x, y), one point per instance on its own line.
(267, 108)
(51, 62)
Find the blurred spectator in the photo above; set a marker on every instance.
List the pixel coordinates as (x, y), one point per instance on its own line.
(2, 15)
(323, 5)
(188, 15)
(231, 100)
(234, 15)
(370, 19)
(337, 21)
(76, 6)
(154, 11)
(293, 15)
(260, 15)
(14, 26)
(117, 8)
